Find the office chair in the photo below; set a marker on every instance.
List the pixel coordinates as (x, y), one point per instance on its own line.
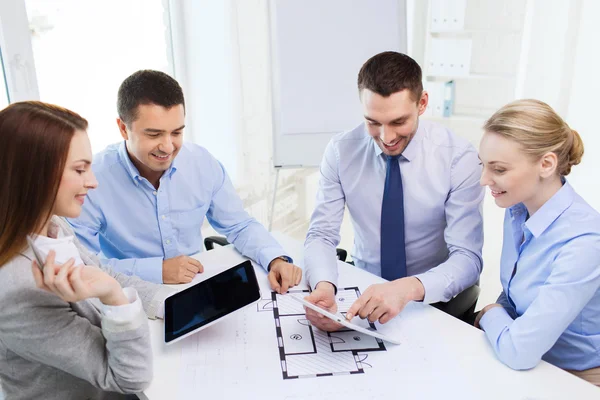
(210, 241)
(462, 306)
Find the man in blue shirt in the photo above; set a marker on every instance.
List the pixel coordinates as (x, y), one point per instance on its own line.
(155, 190)
(412, 190)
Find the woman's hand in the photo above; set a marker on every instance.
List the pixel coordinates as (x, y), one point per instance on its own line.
(75, 283)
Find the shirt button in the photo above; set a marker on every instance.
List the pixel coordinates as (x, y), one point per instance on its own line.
(154, 193)
(163, 217)
(168, 241)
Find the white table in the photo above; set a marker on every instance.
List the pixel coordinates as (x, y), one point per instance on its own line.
(440, 357)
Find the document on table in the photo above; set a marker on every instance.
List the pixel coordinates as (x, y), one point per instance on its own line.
(274, 340)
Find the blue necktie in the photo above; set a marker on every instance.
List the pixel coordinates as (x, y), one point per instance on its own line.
(393, 253)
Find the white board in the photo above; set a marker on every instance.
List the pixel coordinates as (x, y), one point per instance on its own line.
(317, 49)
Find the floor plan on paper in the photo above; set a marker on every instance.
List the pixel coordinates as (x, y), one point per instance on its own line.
(309, 352)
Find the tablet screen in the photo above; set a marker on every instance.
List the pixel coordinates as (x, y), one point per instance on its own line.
(210, 300)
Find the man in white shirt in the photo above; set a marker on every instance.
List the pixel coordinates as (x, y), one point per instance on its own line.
(412, 190)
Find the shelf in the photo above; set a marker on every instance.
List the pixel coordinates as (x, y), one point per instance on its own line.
(475, 119)
(467, 77)
(485, 77)
(468, 32)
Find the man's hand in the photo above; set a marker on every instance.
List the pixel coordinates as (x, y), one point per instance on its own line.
(181, 269)
(283, 275)
(483, 311)
(324, 297)
(383, 301)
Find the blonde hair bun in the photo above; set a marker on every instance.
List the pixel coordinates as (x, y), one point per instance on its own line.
(576, 151)
(539, 130)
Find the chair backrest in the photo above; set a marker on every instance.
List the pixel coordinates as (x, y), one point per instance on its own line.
(210, 241)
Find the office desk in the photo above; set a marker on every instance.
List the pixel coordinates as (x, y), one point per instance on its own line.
(440, 357)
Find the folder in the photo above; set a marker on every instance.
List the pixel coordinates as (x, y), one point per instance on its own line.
(449, 88)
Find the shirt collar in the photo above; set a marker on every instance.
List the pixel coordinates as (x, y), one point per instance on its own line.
(126, 161)
(549, 212)
(410, 152)
(132, 170)
(173, 166)
(517, 210)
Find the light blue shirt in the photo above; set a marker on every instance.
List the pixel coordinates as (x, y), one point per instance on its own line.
(442, 208)
(136, 226)
(551, 307)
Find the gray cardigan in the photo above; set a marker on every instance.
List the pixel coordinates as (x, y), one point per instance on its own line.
(52, 349)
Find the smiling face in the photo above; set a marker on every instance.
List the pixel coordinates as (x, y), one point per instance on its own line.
(77, 178)
(512, 176)
(154, 138)
(392, 121)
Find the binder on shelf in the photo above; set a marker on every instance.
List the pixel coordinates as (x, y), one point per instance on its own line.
(435, 107)
(447, 15)
(450, 57)
(449, 88)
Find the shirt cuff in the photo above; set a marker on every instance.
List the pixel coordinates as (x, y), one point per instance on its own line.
(160, 311)
(434, 285)
(156, 308)
(149, 269)
(268, 255)
(323, 276)
(125, 317)
(494, 322)
(283, 258)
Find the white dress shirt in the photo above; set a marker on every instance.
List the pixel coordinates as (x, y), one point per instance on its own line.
(65, 249)
(442, 208)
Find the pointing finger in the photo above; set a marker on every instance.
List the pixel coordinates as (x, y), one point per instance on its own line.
(356, 307)
(273, 281)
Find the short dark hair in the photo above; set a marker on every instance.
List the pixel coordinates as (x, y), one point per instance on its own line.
(390, 72)
(147, 87)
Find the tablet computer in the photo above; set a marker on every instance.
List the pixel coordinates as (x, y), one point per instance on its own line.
(340, 319)
(207, 302)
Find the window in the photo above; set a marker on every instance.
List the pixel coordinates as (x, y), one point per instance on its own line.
(3, 88)
(83, 51)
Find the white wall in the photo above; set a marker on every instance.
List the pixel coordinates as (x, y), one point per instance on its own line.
(222, 61)
(561, 68)
(584, 101)
(545, 64)
(207, 63)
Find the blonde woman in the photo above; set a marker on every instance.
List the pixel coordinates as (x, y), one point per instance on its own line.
(68, 330)
(550, 268)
